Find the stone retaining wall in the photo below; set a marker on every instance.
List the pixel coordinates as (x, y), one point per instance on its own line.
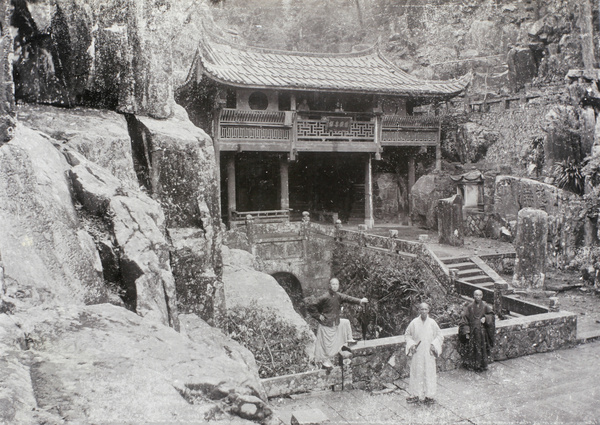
(381, 361)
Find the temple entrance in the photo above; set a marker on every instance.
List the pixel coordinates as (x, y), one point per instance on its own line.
(329, 182)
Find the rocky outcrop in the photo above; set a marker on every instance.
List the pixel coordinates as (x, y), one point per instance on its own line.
(7, 87)
(110, 54)
(176, 162)
(47, 255)
(425, 194)
(570, 224)
(99, 135)
(104, 364)
(137, 227)
(245, 287)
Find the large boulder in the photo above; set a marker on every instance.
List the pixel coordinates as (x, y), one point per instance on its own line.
(110, 54)
(247, 287)
(521, 67)
(137, 225)
(99, 135)
(105, 364)
(182, 176)
(199, 290)
(47, 255)
(424, 196)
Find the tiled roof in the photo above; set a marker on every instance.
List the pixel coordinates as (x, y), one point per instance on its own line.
(361, 72)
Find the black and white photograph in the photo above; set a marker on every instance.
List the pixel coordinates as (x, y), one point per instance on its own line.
(300, 212)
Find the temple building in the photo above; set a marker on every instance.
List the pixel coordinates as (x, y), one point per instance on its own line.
(300, 132)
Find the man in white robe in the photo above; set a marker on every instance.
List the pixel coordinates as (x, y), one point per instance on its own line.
(423, 345)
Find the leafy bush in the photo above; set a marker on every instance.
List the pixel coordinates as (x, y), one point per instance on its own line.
(569, 176)
(275, 344)
(395, 286)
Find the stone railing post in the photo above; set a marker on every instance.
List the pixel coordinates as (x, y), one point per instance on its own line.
(338, 233)
(345, 359)
(453, 273)
(393, 237)
(305, 231)
(361, 235)
(250, 229)
(554, 304)
(499, 291)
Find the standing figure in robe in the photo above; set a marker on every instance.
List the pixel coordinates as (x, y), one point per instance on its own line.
(424, 341)
(477, 329)
(333, 333)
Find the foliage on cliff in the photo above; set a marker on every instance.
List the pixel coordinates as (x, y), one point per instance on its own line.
(394, 286)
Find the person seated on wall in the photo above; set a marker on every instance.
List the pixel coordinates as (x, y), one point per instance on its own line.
(333, 333)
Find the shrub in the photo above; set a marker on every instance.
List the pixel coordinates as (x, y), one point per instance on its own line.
(394, 286)
(568, 175)
(275, 344)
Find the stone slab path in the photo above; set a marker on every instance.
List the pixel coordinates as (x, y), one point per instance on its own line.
(560, 387)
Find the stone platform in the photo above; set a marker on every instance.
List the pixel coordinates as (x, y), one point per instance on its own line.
(558, 387)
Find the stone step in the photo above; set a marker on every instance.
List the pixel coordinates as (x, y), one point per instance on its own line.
(479, 279)
(454, 260)
(470, 272)
(461, 266)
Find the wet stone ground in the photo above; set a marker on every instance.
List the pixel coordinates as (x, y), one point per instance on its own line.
(558, 387)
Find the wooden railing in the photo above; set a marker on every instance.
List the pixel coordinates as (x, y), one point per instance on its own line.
(285, 128)
(239, 218)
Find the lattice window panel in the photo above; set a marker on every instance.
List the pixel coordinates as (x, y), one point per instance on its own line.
(408, 136)
(318, 130)
(254, 133)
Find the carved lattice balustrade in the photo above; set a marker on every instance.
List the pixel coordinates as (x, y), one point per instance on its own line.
(409, 130)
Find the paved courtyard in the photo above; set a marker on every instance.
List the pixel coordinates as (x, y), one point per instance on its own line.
(560, 387)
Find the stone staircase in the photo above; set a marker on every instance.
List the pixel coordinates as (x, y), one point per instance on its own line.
(473, 270)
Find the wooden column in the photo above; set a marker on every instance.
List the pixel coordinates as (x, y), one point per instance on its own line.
(284, 167)
(438, 148)
(231, 196)
(411, 182)
(369, 220)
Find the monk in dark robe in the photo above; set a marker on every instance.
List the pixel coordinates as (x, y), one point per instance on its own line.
(333, 332)
(476, 333)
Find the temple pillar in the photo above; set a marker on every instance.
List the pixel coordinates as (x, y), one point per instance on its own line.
(438, 156)
(231, 197)
(411, 183)
(369, 220)
(284, 167)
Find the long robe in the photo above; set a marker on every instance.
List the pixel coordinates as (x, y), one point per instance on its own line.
(333, 332)
(476, 349)
(428, 336)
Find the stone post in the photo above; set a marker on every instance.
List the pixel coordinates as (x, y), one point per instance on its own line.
(338, 228)
(499, 290)
(450, 221)
(554, 304)
(250, 229)
(393, 237)
(530, 246)
(305, 231)
(361, 235)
